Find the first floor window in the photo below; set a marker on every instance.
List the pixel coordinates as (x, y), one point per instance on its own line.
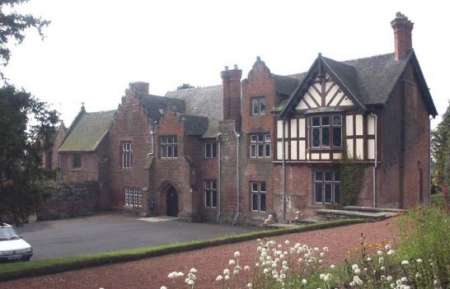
(210, 189)
(210, 150)
(258, 195)
(168, 146)
(258, 105)
(327, 186)
(76, 161)
(260, 145)
(326, 131)
(133, 197)
(126, 155)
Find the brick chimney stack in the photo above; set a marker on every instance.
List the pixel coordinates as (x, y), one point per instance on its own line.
(231, 80)
(402, 35)
(139, 87)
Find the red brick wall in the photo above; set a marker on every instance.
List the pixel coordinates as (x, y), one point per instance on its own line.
(259, 83)
(89, 170)
(131, 124)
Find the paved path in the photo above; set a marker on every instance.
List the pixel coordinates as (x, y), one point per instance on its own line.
(112, 232)
(152, 273)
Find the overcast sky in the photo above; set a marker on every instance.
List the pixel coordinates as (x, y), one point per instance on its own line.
(94, 48)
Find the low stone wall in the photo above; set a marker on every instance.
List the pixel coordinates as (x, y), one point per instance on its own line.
(70, 200)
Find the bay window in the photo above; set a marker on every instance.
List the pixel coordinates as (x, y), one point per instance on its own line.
(326, 131)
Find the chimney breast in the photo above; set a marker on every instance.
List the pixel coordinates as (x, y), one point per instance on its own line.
(402, 35)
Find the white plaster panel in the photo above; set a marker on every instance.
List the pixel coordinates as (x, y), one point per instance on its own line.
(302, 105)
(279, 128)
(301, 123)
(349, 125)
(279, 150)
(359, 124)
(293, 128)
(325, 156)
(360, 149)
(294, 155)
(302, 150)
(337, 156)
(371, 149)
(315, 156)
(370, 124)
(350, 148)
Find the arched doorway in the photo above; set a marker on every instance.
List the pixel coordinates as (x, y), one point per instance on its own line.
(171, 202)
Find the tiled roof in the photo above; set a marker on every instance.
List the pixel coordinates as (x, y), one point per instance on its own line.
(203, 101)
(87, 131)
(370, 80)
(156, 105)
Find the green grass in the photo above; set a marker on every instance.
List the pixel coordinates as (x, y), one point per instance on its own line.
(437, 200)
(10, 271)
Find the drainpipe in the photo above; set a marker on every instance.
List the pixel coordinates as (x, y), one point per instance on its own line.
(284, 172)
(238, 188)
(375, 163)
(219, 185)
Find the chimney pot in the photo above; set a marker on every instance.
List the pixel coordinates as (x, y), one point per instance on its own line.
(226, 67)
(235, 66)
(139, 87)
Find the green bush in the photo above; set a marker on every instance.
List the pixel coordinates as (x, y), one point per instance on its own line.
(425, 233)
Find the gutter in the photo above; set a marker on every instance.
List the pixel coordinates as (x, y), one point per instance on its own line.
(375, 162)
(284, 171)
(219, 184)
(238, 189)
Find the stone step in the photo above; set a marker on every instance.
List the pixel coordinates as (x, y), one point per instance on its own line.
(371, 209)
(357, 214)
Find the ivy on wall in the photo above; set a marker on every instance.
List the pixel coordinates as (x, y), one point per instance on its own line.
(352, 177)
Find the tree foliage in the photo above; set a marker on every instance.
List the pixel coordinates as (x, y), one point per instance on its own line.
(13, 26)
(26, 126)
(440, 146)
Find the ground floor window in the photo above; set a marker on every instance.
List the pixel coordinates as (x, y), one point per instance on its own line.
(133, 197)
(210, 189)
(327, 186)
(258, 195)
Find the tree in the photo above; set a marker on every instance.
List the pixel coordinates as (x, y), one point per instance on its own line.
(13, 26)
(441, 154)
(26, 126)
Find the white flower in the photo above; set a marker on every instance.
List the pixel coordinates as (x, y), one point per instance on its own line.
(163, 287)
(189, 281)
(322, 254)
(325, 249)
(172, 275)
(180, 274)
(304, 281)
(219, 278)
(231, 262)
(237, 254)
(369, 259)
(404, 279)
(332, 266)
(382, 268)
(227, 277)
(419, 260)
(193, 270)
(249, 285)
(354, 267)
(387, 247)
(357, 280)
(287, 242)
(391, 252)
(389, 278)
(246, 268)
(379, 252)
(226, 271)
(405, 262)
(357, 271)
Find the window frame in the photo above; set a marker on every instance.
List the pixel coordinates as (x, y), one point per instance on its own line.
(212, 150)
(258, 102)
(334, 182)
(261, 145)
(133, 198)
(261, 189)
(76, 161)
(168, 143)
(126, 155)
(210, 190)
(330, 128)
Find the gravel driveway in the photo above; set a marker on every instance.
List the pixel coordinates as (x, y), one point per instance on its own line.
(151, 273)
(112, 232)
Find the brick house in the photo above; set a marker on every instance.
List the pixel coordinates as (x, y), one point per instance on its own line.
(269, 143)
